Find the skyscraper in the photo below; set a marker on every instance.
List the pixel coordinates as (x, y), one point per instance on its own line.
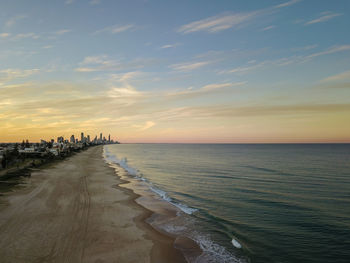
(82, 137)
(72, 139)
(109, 138)
(101, 136)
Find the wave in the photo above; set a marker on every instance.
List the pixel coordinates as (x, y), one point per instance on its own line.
(214, 252)
(123, 162)
(235, 243)
(184, 224)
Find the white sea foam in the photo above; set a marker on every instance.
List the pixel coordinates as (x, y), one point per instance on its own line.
(236, 244)
(123, 162)
(184, 208)
(214, 252)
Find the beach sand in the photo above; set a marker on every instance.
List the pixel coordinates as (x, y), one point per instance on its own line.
(75, 211)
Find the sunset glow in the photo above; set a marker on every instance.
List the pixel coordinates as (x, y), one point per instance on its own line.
(176, 71)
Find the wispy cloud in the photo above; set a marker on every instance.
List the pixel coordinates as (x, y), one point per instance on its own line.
(4, 35)
(189, 66)
(268, 28)
(217, 23)
(62, 31)
(205, 90)
(254, 65)
(344, 76)
(325, 16)
(170, 46)
(146, 126)
(231, 111)
(285, 4)
(308, 47)
(10, 74)
(25, 35)
(13, 20)
(225, 21)
(105, 63)
(331, 50)
(121, 87)
(97, 63)
(116, 29)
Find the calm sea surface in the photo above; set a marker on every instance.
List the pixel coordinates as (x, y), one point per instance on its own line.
(257, 203)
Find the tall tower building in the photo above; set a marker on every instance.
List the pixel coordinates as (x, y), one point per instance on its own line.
(82, 137)
(109, 138)
(72, 139)
(88, 138)
(101, 136)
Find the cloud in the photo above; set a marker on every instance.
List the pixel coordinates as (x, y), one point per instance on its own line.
(226, 21)
(25, 35)
(62, 31)
(47, 47)
(13, 20)
(189, 66)
(245, 69)
(344, 76)
(304, 48)
(123, 92)
(170, 46)
(325, 16)
(205, 90)
(7, 75)
(268, 28)
(147, 125)
(286, 60)
(121, 87)
(104, 63)
(116, 29)
(330, 50)
(230, 111)
(217, 23)
(289, 3)
(97, 63)
(4, 35)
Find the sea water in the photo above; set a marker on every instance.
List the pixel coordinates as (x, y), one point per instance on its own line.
(250, 202)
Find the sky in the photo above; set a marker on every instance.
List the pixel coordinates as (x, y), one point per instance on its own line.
(235, 71)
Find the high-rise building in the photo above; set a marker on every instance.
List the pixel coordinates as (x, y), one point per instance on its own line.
(72, 139)
(101, 136)
(60, 139)
(82, 137)
(88, 138)
(109, 138)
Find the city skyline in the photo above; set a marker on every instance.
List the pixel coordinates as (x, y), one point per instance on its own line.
(176, 72)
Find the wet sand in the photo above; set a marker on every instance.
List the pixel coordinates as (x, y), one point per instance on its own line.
(76, 211)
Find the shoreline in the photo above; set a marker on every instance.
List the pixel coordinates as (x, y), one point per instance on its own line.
(158, 212)
(163, 248)
(76, 210)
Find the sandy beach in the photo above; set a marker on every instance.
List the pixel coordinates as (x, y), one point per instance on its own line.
(75, 211)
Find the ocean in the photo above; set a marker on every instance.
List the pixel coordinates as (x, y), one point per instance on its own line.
(248, 202)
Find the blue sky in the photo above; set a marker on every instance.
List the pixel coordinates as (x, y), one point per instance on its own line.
(176, 71)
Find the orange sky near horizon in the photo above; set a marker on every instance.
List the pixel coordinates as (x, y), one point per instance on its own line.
(265, 72)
